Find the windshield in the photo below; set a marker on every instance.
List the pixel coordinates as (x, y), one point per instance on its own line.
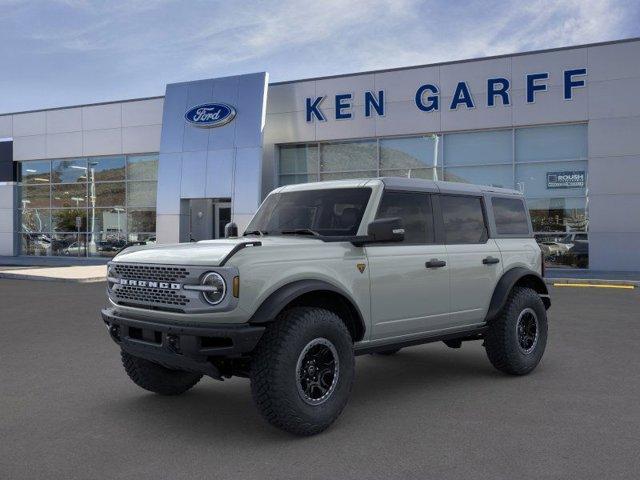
(326, 212)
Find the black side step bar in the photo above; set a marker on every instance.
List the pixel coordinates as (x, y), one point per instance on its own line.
(464, 335)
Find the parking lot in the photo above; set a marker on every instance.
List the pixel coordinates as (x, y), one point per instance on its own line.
(67, 409)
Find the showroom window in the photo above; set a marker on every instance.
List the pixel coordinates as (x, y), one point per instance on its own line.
(551, 171)
(547, 163)
(91, 206)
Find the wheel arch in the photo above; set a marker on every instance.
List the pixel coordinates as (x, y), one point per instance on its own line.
(516, 277)
(315, 293)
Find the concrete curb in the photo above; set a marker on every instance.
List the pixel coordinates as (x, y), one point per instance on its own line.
(592, 281)
(21, 276)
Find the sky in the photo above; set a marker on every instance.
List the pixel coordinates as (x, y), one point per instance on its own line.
(69, 52)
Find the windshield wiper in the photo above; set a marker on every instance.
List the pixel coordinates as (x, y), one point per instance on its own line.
(300, 231)
(260, 233)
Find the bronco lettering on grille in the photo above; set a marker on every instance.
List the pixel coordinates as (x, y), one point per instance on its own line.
(150, 284)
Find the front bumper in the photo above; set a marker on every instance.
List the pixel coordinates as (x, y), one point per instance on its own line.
(182, 346)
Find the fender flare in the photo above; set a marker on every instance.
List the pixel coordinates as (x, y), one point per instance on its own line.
(506, 283)
(276, 301)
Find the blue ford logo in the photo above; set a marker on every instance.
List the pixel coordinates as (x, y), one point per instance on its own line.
(210, 115)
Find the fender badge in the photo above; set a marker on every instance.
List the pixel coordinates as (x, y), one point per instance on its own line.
(361, 267)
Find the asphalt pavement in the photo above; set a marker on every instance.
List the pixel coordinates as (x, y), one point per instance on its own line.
(68, 411)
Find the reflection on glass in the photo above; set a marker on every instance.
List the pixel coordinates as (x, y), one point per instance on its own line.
(65, 220)
(38, 244)
(302, 178)
(142, 238)
(106, 169)
(300, 159)
(478, 148)
(425, 173)
(105, 244)
(565, 221)
(565, 249)
(35, 220)
(141, 194)
(558, 142)
(409, 153)
(54, 194)
(109, 194)
(142, 167)
(69, 195)
(108, 222)
(494, 176)
(35, 171)
(558, 214)
(107, 227)
(531, 178)
(69, 171)
(35, 196)
(348, 175)
(68, 245)
(351, 156)
(142, 220)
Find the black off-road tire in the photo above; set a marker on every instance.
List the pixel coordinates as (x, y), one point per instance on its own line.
(502, 342)
(275, 376)
(391, 351)
(156, 378)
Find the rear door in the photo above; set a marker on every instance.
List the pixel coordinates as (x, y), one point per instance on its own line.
(474, 258)
(409, 280)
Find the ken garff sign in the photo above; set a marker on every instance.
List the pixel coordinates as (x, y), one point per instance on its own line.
(210, 115)
(568, 179)
(427, 96)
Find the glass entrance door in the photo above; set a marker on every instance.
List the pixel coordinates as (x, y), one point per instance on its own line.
(221, 218)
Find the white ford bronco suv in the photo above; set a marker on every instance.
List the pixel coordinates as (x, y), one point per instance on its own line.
(326, 271)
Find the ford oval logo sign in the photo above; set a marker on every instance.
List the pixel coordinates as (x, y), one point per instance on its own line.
(210, 115)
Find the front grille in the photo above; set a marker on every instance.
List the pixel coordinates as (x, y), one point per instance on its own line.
(151, 272)
(151, 297)
(160, 296)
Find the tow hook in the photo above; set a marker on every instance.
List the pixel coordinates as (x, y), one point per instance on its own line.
(172, 343)
(114, 331)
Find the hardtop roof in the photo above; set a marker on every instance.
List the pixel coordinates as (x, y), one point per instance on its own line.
(401, 183)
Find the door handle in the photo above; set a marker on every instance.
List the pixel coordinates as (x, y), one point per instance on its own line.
(490, 260)
(435, 263)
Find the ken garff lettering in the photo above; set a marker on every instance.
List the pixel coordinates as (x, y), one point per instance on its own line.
(210, 115)
(427, 96)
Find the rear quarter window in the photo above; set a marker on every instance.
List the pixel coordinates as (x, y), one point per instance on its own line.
(510, 215)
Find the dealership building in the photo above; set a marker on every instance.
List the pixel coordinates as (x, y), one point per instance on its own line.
(560, 125)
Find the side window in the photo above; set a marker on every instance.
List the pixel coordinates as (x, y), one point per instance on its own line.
(415, 211)
(463, 219)
(510, 215)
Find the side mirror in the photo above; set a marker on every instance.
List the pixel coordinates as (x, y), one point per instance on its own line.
(386, 230)
(230, 230)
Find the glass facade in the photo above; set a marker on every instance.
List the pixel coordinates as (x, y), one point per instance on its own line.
(547, 163)
(91, 206)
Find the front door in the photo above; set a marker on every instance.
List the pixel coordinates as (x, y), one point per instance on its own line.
(409, 280)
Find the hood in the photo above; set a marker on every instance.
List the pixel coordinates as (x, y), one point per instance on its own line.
(206, 252)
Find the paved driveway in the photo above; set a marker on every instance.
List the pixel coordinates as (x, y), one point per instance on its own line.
(68, 411)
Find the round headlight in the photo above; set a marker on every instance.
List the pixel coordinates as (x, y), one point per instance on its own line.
(215, 288)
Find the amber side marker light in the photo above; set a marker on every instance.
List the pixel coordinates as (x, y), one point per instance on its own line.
(593, 285)
(236, 287)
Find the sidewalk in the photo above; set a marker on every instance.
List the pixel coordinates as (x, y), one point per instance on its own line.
(76, 273)
(591, 277)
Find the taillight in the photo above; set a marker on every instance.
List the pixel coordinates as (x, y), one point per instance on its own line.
(541, 263)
